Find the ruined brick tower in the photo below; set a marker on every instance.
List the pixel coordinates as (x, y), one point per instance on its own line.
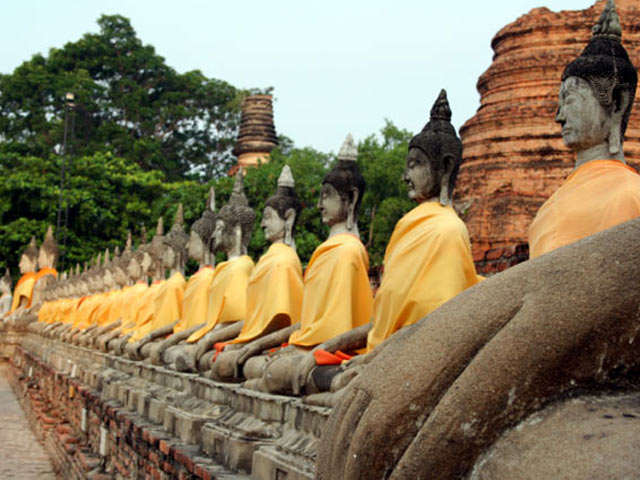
(257, 136)
(514, 158)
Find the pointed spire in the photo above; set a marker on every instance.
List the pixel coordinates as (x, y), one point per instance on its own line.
(49, 234)
(129, 244)
(116, 252)
(7, 275)
(211, 202)
(348, 151)
(286, 178)
(178, 223)
(160, 227)
(441, 109)
(238, 185)
(86, 267)
(143, 235)
(32, 243)
(609, 23)
(78, 268)
(99, 259)
(106, 257)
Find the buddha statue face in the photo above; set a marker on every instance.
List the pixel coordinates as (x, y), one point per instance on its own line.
(27, 264)
(333, 206)
(120, 276)
(146, 264)
(419, 176)
(45, 259)
(168, 257)
(195, 247)
(133, 269)
(585, 122)
(221, 242)
(108, 281)
(273, 225)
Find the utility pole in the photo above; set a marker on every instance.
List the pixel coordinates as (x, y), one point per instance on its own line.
(63, 201)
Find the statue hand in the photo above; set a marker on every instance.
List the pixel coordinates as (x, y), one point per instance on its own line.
(303, 371)
(244, 354)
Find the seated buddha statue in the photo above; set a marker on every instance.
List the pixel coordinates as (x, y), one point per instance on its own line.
(168, 302)
(6, 298)
(274, 293)
(530, 374)
(47, 273)
(337, 295)
(196, 300)
(23, 292)
(595, 100)
(427, 261)
(228, 288)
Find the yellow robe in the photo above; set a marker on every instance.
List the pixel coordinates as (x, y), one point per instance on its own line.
(596, 196)
(47, 311)
(227, 294)
(144, 312)
(275, 288)
(337, 295)
(167, 305)
(130, 303)
(87, 310)
(68, 311)
(24, 288)
(196, 300)
(428, 261)
(101, 315)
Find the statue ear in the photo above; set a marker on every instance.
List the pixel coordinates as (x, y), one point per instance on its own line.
(289, 220)
(351, 212)
(448, 162)
(621, 98)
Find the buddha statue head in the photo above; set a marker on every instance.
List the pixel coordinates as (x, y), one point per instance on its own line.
(155, 251)
(281, 211)
(234, 223)
(174, 244)
(434, 157)
(120, 266)
(48, 253)
(5, 283)
(342, 190)
(29, 258)
(198, 246)
(597, 93)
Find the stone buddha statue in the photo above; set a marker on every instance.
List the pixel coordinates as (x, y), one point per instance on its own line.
(427, 262)
(23, 292)
(530, 374)
(47, 261)
(594, 105)
(6, 297)
(274, 293)
(228, 288)
(337, 295)
(196, 299)
(168, 303)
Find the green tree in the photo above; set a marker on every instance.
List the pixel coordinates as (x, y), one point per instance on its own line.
(127, 101)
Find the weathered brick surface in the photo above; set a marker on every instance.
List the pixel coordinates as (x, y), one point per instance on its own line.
(514, 158)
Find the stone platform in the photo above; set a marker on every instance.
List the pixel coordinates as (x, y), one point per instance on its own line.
(103, 416)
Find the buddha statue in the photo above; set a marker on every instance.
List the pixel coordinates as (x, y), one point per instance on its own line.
(337, 296)
(6, 297)
(228, 288)
(530, 374)
(427, 262)
(47, 261)
(594, 105)
(23, 291)
(196, 299)
(274, 293)
(167, 308)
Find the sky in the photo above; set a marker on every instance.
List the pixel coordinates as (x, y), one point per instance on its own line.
(336, 67)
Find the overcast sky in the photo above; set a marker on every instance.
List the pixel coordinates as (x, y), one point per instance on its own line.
(336, 66)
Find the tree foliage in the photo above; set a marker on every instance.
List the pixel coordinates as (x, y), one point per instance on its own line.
(127, 102)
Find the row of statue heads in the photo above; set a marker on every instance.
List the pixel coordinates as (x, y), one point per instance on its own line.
(602, 76)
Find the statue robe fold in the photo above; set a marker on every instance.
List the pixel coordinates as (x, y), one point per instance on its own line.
(337, 295)
(131, 302)
(596, 196)
(144, 311)
(275, 288)
(227, 294)
(167, 305)
(196, 299)
(86, 315)
(24, 288)
(427, 262)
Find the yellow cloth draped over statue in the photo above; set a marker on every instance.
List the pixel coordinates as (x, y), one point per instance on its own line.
(227, 294)
(46, 271)
(167, 305)
(101, 315)
(337, 295)
(196, 299)
(130, 303)
(275, 288)
(427, 262)
(47, 311)
(85, 316)
(144, 311)
(596, 196)
(24, 288)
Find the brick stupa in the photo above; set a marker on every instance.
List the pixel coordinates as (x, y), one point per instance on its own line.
(514, 158)
(257, 136)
